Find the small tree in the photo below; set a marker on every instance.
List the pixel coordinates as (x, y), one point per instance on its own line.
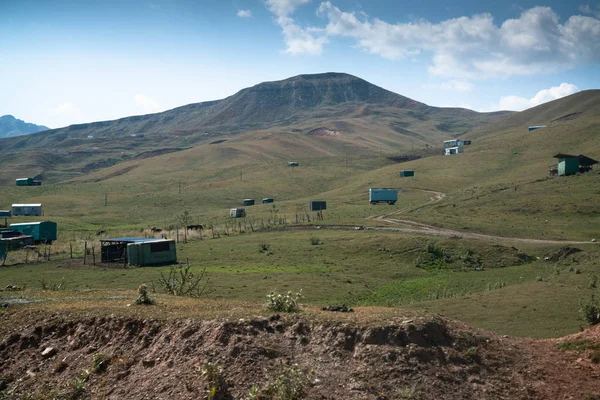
(181, 281)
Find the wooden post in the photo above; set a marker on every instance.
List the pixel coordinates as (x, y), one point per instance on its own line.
(93, 255)
(71, 248)
(48, 254)
(105, 199)
(84, 252)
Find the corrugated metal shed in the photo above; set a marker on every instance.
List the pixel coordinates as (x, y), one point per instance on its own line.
(27, 209)
(157, 252)
(44, 231)
(5, 213)
(317, 205)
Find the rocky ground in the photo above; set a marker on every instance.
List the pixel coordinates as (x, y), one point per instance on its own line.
(69, 355)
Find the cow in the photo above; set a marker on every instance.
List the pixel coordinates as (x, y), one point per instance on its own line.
(197, 227)
(155, 229)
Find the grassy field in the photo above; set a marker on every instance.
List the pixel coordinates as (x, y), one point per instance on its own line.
(499, 186)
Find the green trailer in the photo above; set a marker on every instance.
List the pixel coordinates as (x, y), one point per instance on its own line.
(24, 181)
(45, 231)
(152, 252)
(407, 172)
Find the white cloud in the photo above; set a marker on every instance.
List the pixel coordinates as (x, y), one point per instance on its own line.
(475, 47)
(457, 86)
(298, 40)
(283, 8)
(517, 103)
(64, 108)
(586, 9)
(147, 104)
(244, 13)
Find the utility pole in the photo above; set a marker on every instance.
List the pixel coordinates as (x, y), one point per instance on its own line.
(179, 187)
(241, 175)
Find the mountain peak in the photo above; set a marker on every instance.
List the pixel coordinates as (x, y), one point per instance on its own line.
(11, 126)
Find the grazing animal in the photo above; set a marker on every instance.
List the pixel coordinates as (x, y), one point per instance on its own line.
(100, 233)
(155, 229)
(197, 227)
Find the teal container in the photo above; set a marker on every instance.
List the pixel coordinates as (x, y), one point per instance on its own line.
(248, 202)
(318, 205)
(24, 181)
(407, 172)
(157, 252)
(267, 200)
(568, 166)
(45, 231)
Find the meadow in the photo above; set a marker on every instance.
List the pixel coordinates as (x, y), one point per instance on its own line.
(499, 186)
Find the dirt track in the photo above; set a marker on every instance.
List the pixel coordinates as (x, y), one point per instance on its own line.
(424, 229)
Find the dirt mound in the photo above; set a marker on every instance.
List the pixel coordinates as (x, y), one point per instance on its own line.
(133, 358)
(324, 132)
(561, 253)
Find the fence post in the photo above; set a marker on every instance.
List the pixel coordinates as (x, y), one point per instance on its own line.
(84, 252)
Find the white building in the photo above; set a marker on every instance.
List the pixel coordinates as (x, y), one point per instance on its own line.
(453, 150)
(26, 209)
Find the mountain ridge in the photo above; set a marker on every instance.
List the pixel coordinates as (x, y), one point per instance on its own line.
(11, 127)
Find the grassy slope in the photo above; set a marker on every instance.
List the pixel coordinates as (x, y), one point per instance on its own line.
(498, 186)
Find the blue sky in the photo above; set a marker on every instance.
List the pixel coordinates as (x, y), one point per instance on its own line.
(71, 61)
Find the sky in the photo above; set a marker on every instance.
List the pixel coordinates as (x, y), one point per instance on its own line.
(70, 61)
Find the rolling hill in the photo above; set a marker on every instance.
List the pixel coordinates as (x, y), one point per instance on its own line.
(11, 126)
(332, 112)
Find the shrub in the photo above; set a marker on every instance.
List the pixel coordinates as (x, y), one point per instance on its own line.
(183, 282)
(54, 287)
(143, 298)
(100, 363)
(218, 387)
(289, 382)
(595, 357)
(263, 246)
(593, 282)
(315, 241)
(590, 310)
(283, 302)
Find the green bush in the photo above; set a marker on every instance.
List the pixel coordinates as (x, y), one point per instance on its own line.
(590, 310)
(218, 387)
(315, 241)
(288, 382)
(283, 302)
(143, 298)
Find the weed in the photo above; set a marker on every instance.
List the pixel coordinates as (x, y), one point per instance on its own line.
(539, 278)
(100, 363)
(183, 282)
(218, 387)
(143, 298)
(289, 382)
(315, 241)
(593, 282)
(283, 302)
(76, 389)
(56, 287)
(263, 246)
(595, 357)
(590, 310)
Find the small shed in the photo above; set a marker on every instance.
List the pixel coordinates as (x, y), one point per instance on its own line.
(317, 205)
(24, 181)
(117, 250)
(26, 209)
(534, 127)
(248, 202)
(293, 164)
(152, 252)
(44, 231)
(407, 172)
(237, 213)
(453, 150)
(267, 200)
(569, 164)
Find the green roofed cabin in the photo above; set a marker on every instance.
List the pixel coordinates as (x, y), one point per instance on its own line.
(44, 232)
(407, 172)
(27, 182)
(569, 164)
